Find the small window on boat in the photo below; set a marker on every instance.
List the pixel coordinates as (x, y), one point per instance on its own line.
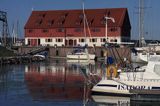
(158, 53)
(108, 85)
(151, 53)
(156, 69)
(143, 53)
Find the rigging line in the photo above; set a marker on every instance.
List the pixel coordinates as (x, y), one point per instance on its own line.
(84, 16)
(119, 56)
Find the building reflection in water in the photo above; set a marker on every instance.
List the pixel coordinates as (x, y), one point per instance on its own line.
(58, 81)
(54, 81)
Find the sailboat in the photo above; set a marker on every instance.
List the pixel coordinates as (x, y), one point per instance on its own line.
(145, 51)
(81, 53)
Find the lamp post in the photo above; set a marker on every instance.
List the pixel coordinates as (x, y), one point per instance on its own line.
(108, 18)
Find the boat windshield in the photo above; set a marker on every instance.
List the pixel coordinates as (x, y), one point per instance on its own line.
(78, 50)
(155, 58)
(156, 69)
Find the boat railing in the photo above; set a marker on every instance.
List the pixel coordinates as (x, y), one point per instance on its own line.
(140, 80)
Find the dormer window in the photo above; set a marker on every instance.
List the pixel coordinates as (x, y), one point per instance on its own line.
(103, 21)
(45, 30)
(39, 22)
(50, 22)
(81, 16)
(60, 30)
(30, 30)
(42, 15)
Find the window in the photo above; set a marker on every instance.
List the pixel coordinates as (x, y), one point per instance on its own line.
(59, 40)
(30, 30)
(111, 40)
(78, 30)
(96, 30)
(81, 40)
(103, 20)
(29, 41)
(113, 29)
(39, 22)
(103, 39)
(79, 22)
(50, 22)
(42, 15)
(60, 30)
(93, 40)
(48, 40)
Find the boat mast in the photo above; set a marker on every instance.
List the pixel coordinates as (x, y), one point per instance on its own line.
(84, 26)
(141, 23)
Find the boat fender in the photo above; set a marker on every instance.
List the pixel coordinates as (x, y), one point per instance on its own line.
(111, 71)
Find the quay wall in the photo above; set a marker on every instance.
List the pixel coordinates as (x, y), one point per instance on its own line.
(61, 52)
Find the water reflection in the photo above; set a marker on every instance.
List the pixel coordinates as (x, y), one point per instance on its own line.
(112, 100)
(59, 81)
(56, 81)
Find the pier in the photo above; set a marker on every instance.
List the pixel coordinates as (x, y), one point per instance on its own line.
(19, 59)
(61, 52)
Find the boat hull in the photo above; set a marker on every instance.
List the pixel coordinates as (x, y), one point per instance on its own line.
(81, 57)
(142, 58)
(125, 88)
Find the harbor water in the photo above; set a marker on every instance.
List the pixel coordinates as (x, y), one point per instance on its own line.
(57, 83)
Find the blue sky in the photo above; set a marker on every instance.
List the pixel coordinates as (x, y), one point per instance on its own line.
(21, 9)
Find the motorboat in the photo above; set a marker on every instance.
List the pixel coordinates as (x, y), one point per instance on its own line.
(130, 82)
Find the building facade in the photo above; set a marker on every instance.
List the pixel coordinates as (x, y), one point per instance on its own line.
(68, 28)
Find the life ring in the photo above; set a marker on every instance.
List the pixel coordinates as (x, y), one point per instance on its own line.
(111, 71)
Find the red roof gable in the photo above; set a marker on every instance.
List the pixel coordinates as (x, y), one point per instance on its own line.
(74, 18)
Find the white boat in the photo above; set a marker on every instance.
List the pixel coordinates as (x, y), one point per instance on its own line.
(81, 54)
(145, 51)
(80, 62)
(132, 82)
(143, 55)
(39, 56)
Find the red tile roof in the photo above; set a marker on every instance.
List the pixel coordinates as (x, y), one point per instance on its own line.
(74, 18)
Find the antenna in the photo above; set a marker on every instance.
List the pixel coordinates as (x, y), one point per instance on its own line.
(32, 8)
(113, 20)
